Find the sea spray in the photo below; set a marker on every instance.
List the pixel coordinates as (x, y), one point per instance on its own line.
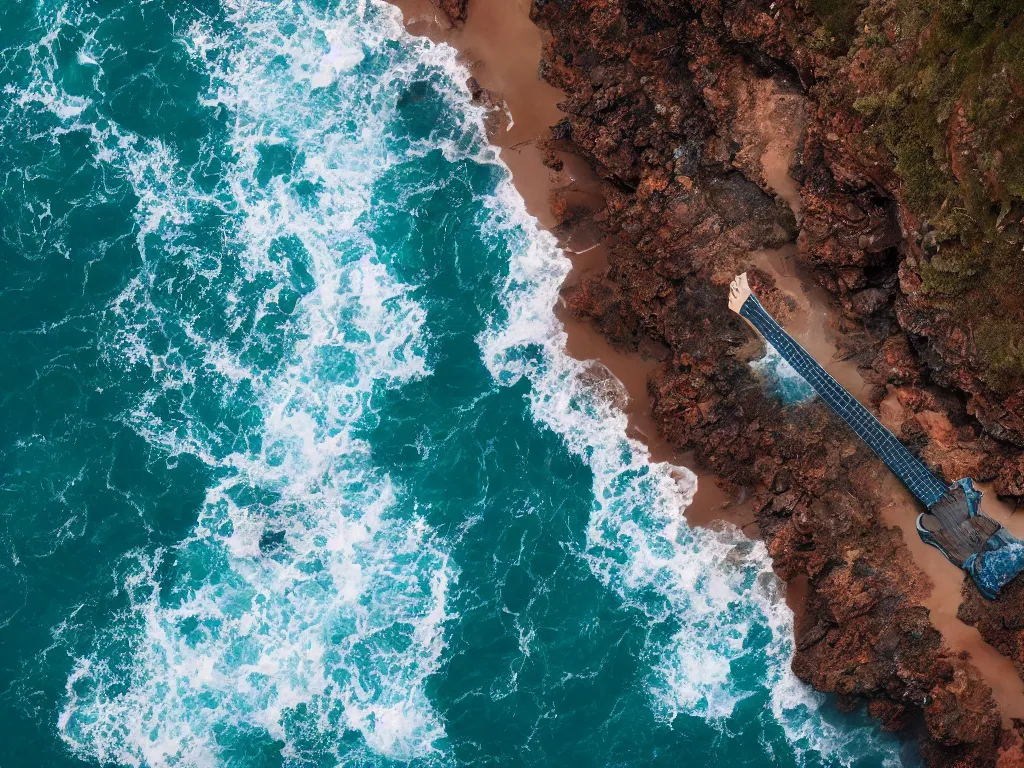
(781, 377)
(303, 558)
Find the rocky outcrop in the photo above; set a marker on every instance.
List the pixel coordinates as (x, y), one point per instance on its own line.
(1002, 623)
(455, 10)
(680, 106)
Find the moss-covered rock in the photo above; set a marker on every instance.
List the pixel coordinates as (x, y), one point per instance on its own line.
(939, 87)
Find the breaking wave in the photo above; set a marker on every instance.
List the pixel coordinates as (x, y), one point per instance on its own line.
(789, 386)
(308, 583)
(733, 632)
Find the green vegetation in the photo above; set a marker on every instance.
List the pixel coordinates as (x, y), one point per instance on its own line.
(839, 19)
(952, 115)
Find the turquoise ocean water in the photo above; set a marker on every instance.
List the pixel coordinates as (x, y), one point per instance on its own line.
(781, 377)
(294, 469)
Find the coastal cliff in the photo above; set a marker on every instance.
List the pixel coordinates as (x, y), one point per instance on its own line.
(899, 121)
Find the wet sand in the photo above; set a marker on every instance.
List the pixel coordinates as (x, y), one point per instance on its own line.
(502, 49)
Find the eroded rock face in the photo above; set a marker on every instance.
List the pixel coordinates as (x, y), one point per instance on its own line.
(679, 106)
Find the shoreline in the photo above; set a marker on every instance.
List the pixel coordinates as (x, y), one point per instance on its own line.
(508, 70)
(502, 48)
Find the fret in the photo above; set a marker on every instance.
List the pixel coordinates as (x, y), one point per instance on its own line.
(918, 478)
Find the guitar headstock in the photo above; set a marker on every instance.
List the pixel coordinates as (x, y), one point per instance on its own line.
(739, 290)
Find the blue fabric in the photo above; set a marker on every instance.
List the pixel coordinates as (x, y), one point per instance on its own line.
(1000, 563)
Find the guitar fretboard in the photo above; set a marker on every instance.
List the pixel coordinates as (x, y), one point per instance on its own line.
(915, 475)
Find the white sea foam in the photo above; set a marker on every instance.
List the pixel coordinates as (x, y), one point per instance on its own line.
(776, 370)
(717, 585)
(343, 616)
(307, 583)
